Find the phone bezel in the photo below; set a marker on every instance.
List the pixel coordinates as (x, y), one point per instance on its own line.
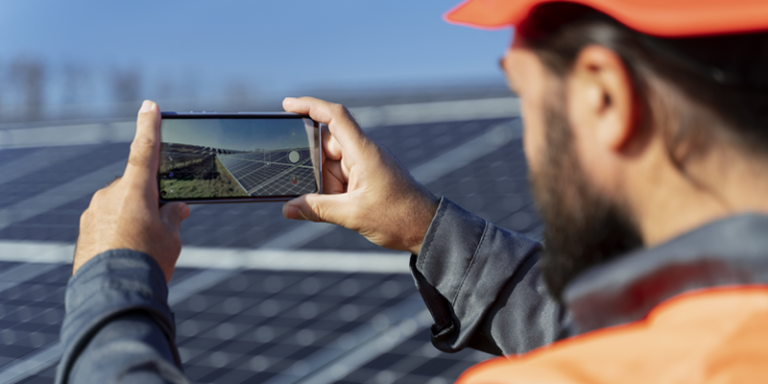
(246, 115)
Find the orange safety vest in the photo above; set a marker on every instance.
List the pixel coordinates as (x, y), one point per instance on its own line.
(716, 335)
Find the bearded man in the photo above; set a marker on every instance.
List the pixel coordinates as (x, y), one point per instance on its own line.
(646, 129)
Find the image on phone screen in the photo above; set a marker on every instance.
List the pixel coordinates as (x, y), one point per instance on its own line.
(238, 157)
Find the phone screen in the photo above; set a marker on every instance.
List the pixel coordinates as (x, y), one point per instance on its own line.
(238, 157)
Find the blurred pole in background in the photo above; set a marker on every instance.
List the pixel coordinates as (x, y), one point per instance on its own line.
(28, 79)
(77, 85)
(126, 90)
(237, 96)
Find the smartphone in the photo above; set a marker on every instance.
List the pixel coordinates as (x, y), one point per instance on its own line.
(211, 157)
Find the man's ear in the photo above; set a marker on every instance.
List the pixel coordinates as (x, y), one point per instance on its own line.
(601, 98)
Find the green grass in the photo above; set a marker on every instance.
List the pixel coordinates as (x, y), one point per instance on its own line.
(222, 186)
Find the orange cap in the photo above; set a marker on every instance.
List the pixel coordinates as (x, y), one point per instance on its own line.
(665, 18)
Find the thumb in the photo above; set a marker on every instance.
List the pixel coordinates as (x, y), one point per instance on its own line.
(174, 213)
(145, 149)
(319, 208)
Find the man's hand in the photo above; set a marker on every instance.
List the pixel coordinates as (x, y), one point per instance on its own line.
(126, 214)
(364, 188)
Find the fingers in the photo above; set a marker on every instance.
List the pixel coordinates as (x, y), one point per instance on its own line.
(334, 180)
(340, 123)
(145, 149)
(331, 147)
(319, 208)
(174, 213)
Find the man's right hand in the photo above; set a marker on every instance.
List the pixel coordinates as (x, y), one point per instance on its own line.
(365, 189)
(127, 214)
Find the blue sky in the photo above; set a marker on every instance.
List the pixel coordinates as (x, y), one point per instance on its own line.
(238, 134)
(272, 48)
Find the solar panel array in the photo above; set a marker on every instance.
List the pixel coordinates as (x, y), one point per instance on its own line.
(31, 310)
(264, 326)
(261, 326)
(272, 173)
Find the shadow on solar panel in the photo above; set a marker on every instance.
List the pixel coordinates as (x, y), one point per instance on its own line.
(194, 171)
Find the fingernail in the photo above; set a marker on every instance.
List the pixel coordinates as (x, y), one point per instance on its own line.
(289, 99)
(146, 106)
(289, 211)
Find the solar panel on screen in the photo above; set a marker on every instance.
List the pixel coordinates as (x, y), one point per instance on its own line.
(272, 173)
(216, 157)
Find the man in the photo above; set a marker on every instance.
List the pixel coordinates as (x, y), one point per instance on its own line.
(646, 136)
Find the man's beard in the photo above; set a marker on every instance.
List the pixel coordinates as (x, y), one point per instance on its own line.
(583, 227)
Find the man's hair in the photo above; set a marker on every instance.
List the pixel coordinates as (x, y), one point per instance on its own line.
(700, 89)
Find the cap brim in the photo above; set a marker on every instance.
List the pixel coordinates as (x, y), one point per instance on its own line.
(666, 18)
(490, 14)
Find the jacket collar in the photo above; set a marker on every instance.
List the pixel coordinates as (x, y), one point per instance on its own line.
(730, 251)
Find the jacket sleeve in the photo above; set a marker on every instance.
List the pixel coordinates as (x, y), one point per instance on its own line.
(118, 327)
(482, 286)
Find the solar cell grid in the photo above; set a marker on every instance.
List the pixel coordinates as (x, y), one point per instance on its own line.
(30, 314)
(11, 154)
(60, 172)
(298, 315)
(252, 224)
(44, 377)
(271, 173)
(495, 187)
(415, 361)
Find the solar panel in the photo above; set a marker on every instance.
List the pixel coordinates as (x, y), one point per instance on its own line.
(268, 325)
(272, 173)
